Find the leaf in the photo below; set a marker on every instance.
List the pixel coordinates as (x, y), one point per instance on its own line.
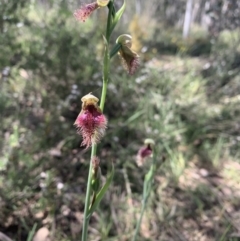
(148, 182)
(134, 117)
(117, 16)
(101, 194)
(31, 234)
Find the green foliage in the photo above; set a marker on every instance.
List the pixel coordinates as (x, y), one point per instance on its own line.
(31, 234)
(170, 41)
(189, 111)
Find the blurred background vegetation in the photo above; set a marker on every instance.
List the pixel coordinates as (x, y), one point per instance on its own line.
(185, 96)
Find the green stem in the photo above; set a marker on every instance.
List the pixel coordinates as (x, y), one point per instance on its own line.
(139, 221)
(104, 93)
(88, 194)
(106, 62)
(147, 186)
(106, 59)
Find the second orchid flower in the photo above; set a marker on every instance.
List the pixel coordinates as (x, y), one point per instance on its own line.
(130, 58)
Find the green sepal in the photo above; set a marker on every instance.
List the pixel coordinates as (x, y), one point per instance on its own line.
(117, 16)
(115, 49)
(101, 194)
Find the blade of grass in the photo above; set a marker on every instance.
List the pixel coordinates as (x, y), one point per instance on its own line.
(32, 232)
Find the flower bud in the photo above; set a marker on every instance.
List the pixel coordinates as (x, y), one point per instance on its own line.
(96, 174)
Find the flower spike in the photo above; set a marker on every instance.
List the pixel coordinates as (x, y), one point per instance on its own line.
(91, 123)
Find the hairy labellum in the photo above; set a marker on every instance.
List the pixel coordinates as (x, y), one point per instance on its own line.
(85, 11)
(91, 123)
(145, 151)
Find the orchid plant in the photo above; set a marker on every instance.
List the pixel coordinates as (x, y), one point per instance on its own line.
(91, 123)
(145, 152)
